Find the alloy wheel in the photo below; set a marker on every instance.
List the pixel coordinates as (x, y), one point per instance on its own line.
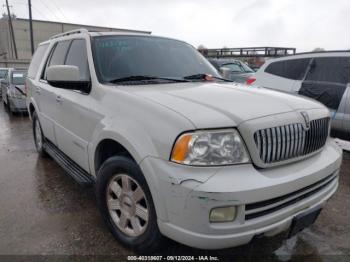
(127, 205)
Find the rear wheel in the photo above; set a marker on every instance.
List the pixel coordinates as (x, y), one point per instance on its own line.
(39, 138)
(126, 205)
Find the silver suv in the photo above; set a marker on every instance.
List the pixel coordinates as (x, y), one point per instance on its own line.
(172, 149)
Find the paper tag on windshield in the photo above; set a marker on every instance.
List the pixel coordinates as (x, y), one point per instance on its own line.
(17, 75)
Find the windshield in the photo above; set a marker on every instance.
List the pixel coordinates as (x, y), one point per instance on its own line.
(118, 57)
(238, 67)
(3, 73)
(18, 78)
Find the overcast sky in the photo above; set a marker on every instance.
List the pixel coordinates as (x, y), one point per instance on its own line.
(304, 24)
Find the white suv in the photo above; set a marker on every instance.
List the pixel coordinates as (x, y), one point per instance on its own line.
(323, 76)
(174, 150)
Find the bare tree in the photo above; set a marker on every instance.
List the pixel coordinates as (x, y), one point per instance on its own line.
(201, 47)
(318, 49)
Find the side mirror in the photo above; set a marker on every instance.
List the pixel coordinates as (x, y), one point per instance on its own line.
(225, 72)
(67, 77)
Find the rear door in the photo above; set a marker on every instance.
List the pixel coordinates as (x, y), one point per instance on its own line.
(47, 94)
(326, 81)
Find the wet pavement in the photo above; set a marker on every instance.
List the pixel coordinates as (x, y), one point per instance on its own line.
(44, 212)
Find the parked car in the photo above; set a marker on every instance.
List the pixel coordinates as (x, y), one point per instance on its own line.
(237, 70)
(324, 76)
(3, 74)
(13, 91)
(173, 149)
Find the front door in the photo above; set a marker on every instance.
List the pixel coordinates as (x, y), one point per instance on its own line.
(76, 117)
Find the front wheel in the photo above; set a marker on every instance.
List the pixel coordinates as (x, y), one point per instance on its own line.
(126, 205)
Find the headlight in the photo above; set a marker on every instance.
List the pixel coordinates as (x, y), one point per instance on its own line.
(210, 148)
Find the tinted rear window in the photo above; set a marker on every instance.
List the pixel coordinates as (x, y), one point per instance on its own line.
(36, 60)
(330, 69)
(293, 69)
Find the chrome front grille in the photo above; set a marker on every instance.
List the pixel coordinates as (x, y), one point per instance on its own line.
(291, 141)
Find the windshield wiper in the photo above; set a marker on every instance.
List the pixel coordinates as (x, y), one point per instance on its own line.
(145, 78)
(205, 77)
(19, 90)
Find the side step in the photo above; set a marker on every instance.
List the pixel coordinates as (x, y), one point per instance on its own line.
(75, 171)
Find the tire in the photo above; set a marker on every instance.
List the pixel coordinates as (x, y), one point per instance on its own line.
(8, 105)
(39, 139)
(144, 240)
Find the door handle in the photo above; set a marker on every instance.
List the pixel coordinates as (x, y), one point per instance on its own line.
(38, 90)
(59, 99)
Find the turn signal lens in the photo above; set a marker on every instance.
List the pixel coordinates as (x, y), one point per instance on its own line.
(181, 148)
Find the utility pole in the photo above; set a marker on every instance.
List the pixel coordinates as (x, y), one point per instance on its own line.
(11, 29)
(31, 26)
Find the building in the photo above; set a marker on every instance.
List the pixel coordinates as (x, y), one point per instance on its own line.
(42, 30)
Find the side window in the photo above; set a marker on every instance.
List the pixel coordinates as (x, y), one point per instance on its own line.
(330, 69)
(59, 54)
(292, 69)
(77, 56)
(36, 60)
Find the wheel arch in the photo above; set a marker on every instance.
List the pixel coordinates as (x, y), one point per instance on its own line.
(107, 148)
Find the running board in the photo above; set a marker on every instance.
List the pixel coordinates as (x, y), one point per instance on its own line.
(74, 170)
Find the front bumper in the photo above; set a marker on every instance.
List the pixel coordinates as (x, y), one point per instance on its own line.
(184, 196)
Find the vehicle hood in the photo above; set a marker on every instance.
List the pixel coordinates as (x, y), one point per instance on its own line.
(214, 105)
(18, 88)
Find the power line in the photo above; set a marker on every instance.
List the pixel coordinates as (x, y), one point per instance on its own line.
(49, 9)
(40, 13)
(59, 10)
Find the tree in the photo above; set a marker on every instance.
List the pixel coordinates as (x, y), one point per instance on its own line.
(318, 49)
(201, 47)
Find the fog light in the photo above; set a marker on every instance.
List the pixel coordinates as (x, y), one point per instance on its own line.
(222, 214)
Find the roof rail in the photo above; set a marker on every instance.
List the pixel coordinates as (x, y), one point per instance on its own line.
(323, 52)
(77, 31)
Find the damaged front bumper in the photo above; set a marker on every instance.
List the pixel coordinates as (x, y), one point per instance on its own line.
(266, 200)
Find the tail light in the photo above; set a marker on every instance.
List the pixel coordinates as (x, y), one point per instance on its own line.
(250, 80)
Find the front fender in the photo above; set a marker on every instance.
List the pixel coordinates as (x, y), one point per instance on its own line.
(129, 134)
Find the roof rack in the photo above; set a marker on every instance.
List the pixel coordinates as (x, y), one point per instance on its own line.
(248, 52)
(77, 31)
